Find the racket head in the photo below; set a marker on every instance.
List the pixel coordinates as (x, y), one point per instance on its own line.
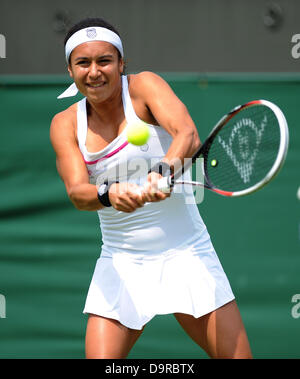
(246, 149)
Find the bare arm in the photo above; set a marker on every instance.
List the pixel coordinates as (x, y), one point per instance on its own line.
(71, 168)
(169, 112)
(162, 106)
(70, 164)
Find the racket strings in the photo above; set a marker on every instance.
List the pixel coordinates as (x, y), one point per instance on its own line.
(244, 150)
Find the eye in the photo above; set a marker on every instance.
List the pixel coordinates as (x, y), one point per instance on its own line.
(82, 62)
(104, 61)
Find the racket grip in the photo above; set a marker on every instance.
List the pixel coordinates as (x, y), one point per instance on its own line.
(163, 185)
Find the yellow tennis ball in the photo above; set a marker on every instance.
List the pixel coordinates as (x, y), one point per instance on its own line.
(138, 133)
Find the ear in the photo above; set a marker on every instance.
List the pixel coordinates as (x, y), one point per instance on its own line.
(70, 71)
(121, 65)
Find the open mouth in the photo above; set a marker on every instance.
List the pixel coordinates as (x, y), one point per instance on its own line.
(95, 85)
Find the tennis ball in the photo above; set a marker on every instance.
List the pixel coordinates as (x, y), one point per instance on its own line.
(138, 133)
(214, 163)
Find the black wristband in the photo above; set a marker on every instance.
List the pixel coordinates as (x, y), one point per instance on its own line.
(103, 193)
(161, 168)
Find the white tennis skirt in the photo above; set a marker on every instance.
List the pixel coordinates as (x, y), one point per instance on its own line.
(132, 288)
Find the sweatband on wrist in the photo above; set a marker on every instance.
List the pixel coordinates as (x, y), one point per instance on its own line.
(103, 193)
(161, 168)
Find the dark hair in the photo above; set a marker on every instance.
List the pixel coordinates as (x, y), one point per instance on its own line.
(89, 22)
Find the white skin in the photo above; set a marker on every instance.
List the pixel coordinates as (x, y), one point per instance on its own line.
(96, 69)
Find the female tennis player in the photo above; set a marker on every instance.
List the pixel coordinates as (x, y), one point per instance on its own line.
(156, 256)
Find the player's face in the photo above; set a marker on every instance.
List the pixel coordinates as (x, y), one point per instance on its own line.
(96, 69)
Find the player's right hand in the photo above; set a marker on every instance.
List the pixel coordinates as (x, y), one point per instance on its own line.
(151, 193)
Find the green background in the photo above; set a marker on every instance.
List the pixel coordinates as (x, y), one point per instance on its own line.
(48, 249)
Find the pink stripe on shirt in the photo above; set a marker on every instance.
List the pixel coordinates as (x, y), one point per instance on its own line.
(108, 155)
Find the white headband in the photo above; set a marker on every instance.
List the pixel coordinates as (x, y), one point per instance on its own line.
(95, 33)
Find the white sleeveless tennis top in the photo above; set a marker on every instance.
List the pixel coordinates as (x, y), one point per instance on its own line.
(156, 226)
(158, 259)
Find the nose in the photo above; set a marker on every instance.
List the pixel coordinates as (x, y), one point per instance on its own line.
(94, 71)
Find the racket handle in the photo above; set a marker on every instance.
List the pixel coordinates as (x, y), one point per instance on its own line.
(163, 185)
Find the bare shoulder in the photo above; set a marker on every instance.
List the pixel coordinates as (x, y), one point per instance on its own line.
(63, 123)
(145, 82)
(67, 116)
(145, 76)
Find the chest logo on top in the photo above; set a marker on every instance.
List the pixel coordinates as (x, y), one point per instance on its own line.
(144, 147)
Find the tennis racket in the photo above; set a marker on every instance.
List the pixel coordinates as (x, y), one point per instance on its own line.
(243, 152)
